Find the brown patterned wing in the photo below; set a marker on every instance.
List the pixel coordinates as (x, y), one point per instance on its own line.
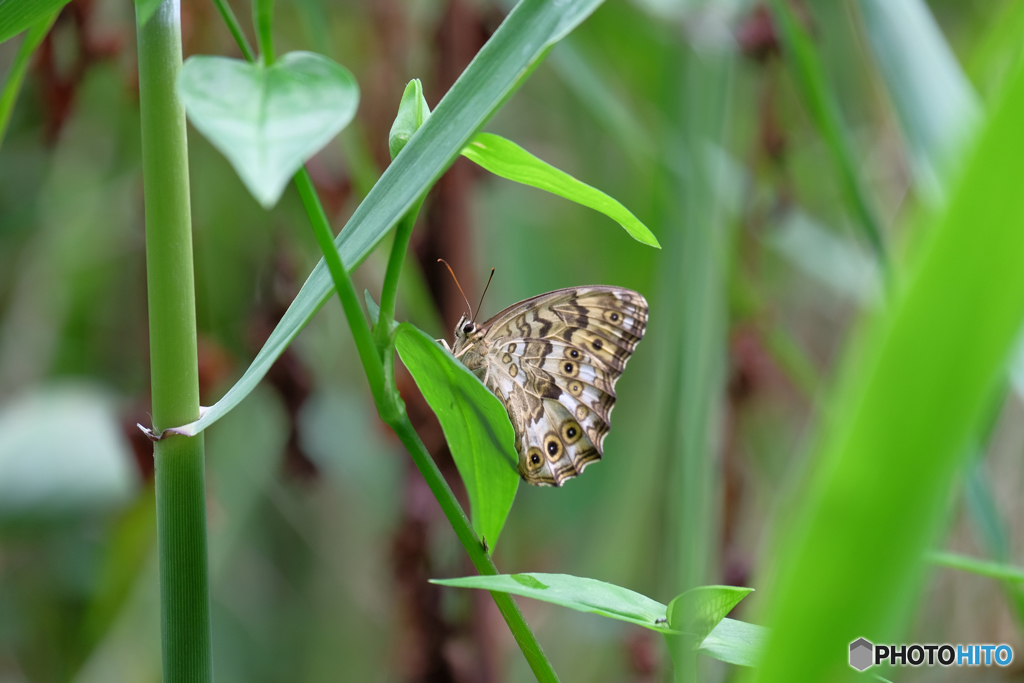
(554, 361)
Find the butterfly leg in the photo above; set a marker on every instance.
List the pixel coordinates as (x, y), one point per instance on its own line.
(444, 343)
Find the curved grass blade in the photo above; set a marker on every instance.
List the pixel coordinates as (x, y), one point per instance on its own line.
(475, 426)
(507, 159)
(915, 391)
(521, 40)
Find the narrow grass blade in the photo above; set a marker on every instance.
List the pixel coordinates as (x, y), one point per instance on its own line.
(809, 76)
(521, 40)
(475, 426)
(994, 570)
(915, 390)
(507, 159)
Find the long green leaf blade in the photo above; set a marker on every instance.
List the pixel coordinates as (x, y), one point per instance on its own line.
(731, 641)
(475, 426)
(507, 159)
(16, 74)
(914, 393)
(18, 15)
(574, 592)
(523, 38)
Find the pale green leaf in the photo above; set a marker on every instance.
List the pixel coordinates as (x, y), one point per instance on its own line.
(268, 120)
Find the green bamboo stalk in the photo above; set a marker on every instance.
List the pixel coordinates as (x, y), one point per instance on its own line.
(16, 75)
(180, 486)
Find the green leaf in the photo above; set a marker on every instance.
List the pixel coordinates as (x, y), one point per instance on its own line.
(574, 592)
(475, 424)
(699, 610)
(736, 642)
(268, 120)
(995, 570)
(18, 15)
(731, 641)
(915, 390)
(521, 40)
(508, 160)
(413, 111)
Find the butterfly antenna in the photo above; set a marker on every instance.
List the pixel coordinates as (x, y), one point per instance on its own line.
(441, 260)
(491, 277)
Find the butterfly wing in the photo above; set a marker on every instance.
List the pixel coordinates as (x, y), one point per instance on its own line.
(554, 361)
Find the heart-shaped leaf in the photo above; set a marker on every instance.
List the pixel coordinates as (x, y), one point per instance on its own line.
(268, 120)
(475, 424)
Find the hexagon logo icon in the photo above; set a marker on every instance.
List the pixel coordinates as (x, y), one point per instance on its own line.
(861, 652)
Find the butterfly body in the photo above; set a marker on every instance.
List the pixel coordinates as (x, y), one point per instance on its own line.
(553, 361)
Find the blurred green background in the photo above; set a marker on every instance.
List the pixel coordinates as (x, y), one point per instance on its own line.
(322, 532)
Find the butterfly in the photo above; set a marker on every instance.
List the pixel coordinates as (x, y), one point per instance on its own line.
(552, 361)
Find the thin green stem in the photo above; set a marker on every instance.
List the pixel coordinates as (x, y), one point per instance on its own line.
(180, 487)
(483, 563)
(368, 353)
(392, 412)
(263, 15)
(16, 74)
(228, 15)
(389, 292)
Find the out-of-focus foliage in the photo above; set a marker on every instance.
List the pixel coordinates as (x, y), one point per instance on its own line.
(323, 537)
